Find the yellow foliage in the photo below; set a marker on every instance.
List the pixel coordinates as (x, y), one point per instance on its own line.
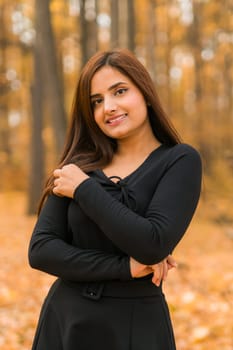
(199, 291)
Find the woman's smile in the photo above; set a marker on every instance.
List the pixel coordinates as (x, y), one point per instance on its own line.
(116, 120)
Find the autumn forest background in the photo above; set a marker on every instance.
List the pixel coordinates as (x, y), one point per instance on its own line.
(187, 47)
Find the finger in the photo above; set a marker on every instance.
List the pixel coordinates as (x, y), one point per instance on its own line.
(57, 173)
(56, 192)
(56, 182)
(171, 262)
(158, 272)
(156, 281)
(70, 166)
(165, 269)
(155, 272)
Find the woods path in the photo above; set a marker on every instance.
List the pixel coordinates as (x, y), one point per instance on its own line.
(199, 292)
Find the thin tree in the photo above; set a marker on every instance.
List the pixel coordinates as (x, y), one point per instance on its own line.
(46, 89)
(88, 29)
(194, 39)
(36, 173)
(114, 24)
(131, 25)
(151, 38)
(4, 89)
(52, 78)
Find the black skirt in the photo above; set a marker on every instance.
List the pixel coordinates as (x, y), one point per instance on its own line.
(72, 320)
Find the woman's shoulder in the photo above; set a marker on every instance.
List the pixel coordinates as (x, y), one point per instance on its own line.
(54, 202)
(181, 152)
(187, 155)
(182, 149)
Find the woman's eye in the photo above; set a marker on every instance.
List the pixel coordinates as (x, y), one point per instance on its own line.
(121, 91)
(96, 102)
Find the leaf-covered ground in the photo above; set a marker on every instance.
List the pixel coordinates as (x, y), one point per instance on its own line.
(199, 291)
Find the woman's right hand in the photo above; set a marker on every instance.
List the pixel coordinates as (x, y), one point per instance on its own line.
(159, 270)
(139, 270)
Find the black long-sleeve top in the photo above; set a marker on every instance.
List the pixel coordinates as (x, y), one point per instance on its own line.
(144, 215)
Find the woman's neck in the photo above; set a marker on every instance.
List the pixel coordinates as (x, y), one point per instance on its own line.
(130, 155)
(140, 146)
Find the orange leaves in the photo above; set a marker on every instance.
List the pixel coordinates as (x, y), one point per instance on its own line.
(199, 292)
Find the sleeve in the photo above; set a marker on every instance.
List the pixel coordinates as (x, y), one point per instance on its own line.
(151, 238)
(51, 252)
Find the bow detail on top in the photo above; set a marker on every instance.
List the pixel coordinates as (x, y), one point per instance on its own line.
(120, 190)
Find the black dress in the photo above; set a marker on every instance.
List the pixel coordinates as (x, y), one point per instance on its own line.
(87, 242)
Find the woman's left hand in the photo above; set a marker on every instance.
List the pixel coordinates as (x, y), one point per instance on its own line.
(160, 270)
(67, 179)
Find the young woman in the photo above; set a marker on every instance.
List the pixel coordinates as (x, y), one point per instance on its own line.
(120, 200)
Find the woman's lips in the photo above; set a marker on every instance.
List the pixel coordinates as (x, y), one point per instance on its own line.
(116, 120)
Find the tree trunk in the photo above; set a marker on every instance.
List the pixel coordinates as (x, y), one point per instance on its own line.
(151, 39)
(36, 174)
(114, 24)
(123, 18)
(89, 32)
(46, 45)
(168, 104)
(195, 42)
(4, 90)
(131, 25)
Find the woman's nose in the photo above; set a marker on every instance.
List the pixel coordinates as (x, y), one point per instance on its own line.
(109, 105)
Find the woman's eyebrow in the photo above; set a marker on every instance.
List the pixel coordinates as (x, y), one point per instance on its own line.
(112, 87)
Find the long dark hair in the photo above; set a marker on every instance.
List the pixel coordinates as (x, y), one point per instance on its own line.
(86, 145)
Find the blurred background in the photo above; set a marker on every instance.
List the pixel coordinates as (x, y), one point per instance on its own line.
(187, 47)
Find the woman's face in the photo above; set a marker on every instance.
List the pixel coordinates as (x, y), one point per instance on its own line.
(118, 105)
